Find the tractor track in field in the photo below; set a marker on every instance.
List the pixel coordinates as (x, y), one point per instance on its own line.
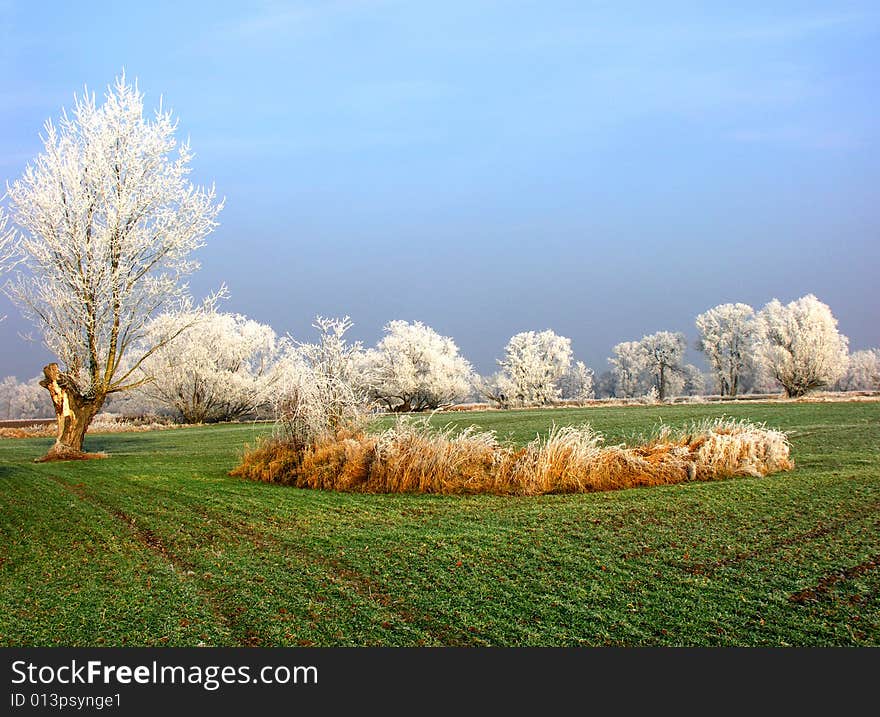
(362, 585)
(152, 542)
(826, 583)
(709, 568)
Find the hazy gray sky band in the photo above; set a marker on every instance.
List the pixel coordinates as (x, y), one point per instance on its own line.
(605, 170)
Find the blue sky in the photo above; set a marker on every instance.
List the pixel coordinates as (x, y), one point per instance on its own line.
(605, 169)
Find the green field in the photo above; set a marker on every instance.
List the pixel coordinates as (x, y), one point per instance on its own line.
(158, 546)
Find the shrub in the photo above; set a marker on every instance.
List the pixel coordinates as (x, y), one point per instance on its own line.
(321, 392)
(412, 457)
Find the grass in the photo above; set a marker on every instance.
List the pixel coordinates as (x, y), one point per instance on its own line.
(417, 457)
(159, 546)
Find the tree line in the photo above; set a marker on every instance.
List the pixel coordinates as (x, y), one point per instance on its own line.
(226, 366)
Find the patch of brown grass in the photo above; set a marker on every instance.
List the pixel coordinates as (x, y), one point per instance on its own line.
(55, 455)
(270, 461)
(412, 457)
(101, 424)
(16, 433)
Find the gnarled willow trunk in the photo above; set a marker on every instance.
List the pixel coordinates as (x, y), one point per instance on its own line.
(73, 411)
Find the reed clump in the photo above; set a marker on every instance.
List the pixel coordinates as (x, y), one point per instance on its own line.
(413, 457)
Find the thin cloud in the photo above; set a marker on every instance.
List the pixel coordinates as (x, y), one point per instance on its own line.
(277, 19)
(801, 27)
(334, 143)
(801, 137)
(677, 34)
(381, 96)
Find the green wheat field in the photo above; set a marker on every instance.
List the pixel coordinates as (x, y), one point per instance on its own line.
(157, 545)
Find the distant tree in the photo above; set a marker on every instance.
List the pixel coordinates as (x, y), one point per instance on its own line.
(800, 345)
(108, 221)
(413, 368)
(577, 383)
(727, 337)
(533, 364)
(494, 388)
(23, 400)
(663, 352)
(756, 377)
(137, 404)
(604, 385)
(692, 380)
(223, 368)
(863, 372)
(628, 367)
(8, 393)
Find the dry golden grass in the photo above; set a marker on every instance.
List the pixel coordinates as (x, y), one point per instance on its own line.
(102, 424)
(18, 433)
(412, 457)
(55, 455)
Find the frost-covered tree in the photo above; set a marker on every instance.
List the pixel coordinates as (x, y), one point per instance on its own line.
(605, 384)
(223, 368)
(23, 400)
(663, 352)
(628, 368)
(322, 389)
(8, 245)
(690, 382)
(137, 404)
(494, 388)
(727, 337)
(413, 368)
(577, 383)
(108, 220)
(863, 372)
(533, 364)
(800, 345)
(8, 396)
(8, 248)
(756, 378)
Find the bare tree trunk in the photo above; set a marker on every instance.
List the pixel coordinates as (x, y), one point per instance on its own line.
(73, 412)
(405, 407)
